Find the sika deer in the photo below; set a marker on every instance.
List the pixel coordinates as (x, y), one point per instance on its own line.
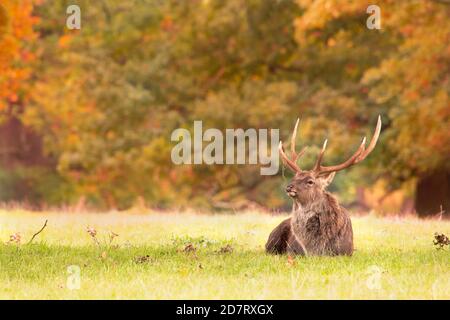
(318, 224)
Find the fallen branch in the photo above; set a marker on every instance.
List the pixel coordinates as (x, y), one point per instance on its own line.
(34, 235)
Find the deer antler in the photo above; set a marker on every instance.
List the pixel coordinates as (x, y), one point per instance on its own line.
(360, 154)
(292, 163)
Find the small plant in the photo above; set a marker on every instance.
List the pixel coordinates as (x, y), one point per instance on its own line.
(143, 259)
(112, 236)
(226, 249)
(189, 248)
(93, 233)
(440, 241)
(15, 238)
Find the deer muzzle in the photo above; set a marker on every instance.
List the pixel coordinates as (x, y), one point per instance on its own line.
(290, 190)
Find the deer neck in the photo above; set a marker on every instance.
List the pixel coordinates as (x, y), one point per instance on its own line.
(317, 204)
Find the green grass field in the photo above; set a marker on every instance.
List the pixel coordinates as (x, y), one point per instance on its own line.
(187, 256)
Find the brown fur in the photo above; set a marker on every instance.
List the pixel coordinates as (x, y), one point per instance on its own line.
(318, 224)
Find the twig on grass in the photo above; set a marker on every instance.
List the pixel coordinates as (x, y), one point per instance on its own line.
(34, 235)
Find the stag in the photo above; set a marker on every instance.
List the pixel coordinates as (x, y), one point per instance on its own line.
(318, 224)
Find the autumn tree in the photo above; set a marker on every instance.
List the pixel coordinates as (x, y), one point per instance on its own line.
(22, 162)
(107, 97)
(401, 72)
(110, 94)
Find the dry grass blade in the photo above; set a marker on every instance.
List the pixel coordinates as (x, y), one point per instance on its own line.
(290, 260)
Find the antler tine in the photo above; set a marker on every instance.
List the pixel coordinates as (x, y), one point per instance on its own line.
(291, 164)
(294, 155)
(320, 157)
(294, 136)
(350, 161)
(360, 154)
(302, 152)
(372, 143)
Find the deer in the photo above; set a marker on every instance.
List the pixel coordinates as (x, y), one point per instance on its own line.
(318, 224)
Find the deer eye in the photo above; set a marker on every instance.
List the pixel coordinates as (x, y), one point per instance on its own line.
(310, 182)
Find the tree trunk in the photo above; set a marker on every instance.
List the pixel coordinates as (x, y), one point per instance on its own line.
(433, 195)
(20, 146)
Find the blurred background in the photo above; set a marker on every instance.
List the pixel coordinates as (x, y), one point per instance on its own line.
(86, 115)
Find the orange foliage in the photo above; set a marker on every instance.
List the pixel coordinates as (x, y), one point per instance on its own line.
(16, 29)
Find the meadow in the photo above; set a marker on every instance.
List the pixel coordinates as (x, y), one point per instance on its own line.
(131, 255)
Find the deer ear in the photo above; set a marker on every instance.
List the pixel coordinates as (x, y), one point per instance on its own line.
(327, 179)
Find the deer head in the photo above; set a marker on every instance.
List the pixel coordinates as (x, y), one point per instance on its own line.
(306, 186)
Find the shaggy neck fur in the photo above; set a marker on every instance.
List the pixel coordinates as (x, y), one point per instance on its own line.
(317, 203)
(306, 221)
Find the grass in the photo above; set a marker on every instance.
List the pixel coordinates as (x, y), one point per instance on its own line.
(152, 258)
